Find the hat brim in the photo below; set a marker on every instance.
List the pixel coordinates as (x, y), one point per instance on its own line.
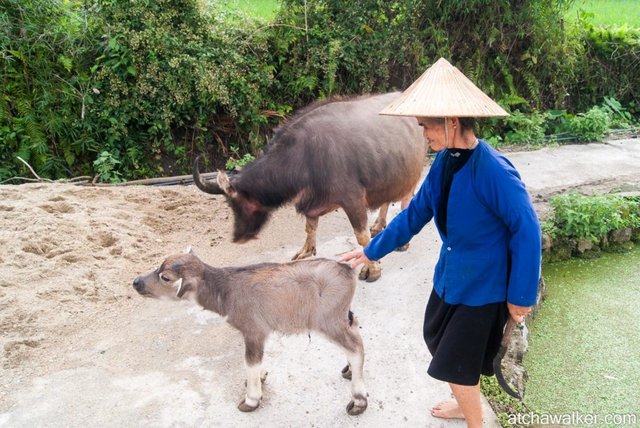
(444, 91)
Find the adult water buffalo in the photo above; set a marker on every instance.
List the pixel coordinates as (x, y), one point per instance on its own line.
(328, 155)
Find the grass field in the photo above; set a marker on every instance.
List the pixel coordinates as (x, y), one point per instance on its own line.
(261, 9)
(608, 12)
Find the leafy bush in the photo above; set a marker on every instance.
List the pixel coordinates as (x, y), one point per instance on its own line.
(106, 166)
(174, 80)
(502, 45)
(590, 126)
(619, 116)
(46, 48)
(153, 82)
(236, 160)
(148, 82)
(592, 217)
(607, 65)
(324, 47)
(525, 129)
(549, 228)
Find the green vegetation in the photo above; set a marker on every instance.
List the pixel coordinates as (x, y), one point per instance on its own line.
(591, 217)
(178, 92)
(129, 89)
(236, 160)
(265, 10)
(536, 128)
(46, 90)
(606, 12)
(502, 403)
(584, 345)
(106, 167)
(606, 68)
(132, 89)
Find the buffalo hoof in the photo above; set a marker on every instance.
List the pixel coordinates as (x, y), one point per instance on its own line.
(244, 407)
(370, 273)
(405, 247)
(355, 409)
(374, 232)
(304, 253)
(346, 372)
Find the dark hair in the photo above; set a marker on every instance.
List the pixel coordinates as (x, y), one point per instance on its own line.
(467, 123)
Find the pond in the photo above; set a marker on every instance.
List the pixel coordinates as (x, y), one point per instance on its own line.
(584, 344)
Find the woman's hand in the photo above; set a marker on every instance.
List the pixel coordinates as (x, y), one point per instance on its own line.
(355, 258)
(518, 312)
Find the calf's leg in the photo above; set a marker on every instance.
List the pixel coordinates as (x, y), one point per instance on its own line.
(254, 351)
(350, 340)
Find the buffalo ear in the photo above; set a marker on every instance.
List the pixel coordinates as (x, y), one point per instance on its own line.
(225, 184)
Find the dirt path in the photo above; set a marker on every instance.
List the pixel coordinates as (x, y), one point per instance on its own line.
(80, 347)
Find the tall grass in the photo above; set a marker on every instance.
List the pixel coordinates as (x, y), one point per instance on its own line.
(608, 12)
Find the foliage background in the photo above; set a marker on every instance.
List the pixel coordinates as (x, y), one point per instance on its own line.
(47, 49)
(137, 88)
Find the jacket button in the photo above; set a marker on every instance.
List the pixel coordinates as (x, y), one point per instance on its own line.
(448, 248)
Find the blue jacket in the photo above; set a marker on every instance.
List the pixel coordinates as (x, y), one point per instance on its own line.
(493, 248)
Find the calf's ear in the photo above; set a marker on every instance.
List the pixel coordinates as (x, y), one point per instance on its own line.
(184, 286)
(225, 184)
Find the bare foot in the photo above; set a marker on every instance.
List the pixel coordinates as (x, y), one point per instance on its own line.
(447, 410)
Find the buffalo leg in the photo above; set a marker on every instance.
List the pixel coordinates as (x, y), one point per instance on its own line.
(404, 203)
(254, 351)
(381, 221)
(356, 210)
(371, 271)
(309, 247)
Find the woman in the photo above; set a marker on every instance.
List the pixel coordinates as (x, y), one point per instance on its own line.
(489, 262)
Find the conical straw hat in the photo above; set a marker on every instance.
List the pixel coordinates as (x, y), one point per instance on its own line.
(443, 91)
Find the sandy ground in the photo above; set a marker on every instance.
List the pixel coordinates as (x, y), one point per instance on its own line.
(80, 347)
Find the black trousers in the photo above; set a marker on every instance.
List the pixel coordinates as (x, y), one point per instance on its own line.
(463, 340)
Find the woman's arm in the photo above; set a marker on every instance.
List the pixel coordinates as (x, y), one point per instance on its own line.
(404, 226)
(504, 193)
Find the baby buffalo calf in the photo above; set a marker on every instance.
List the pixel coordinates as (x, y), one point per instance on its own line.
(295, 297)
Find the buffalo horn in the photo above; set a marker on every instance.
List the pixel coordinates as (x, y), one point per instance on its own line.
(205, 185)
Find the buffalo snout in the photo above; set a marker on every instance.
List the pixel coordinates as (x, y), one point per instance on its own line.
(247, 226)
(241, 239)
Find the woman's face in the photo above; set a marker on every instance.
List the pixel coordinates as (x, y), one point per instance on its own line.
(433, 132)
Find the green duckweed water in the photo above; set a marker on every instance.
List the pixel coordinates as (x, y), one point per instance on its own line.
(584, 345)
